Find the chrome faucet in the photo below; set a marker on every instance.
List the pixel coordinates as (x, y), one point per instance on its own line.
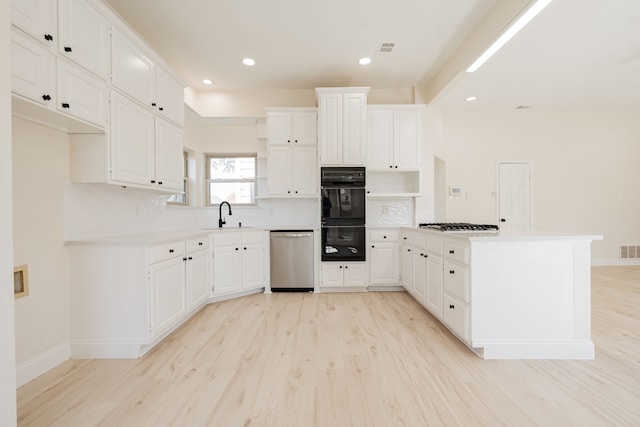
(221, 221)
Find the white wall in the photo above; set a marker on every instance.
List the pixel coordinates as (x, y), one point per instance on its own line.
(585, 170)
(40, 170)
(8, 414)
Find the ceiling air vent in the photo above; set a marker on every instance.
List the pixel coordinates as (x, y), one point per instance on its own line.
(386, 47)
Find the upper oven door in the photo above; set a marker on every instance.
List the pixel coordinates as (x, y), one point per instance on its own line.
(343, 206)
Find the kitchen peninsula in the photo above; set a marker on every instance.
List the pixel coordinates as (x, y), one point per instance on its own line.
(506, 296)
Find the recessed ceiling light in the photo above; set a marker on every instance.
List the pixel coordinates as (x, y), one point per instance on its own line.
(207, 82)
(364, 61)
(249, 62)
(471, 98)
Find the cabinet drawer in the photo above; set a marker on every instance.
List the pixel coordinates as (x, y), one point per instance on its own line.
(166, 251)
(384, 235)
(197, 244)
(456, 281)
(456, 317)
(249, 237)
(456, 252)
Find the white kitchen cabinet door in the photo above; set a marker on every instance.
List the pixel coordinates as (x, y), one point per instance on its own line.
(198, 283)
(84, 36)
(331, 274)
(354, 128)
(81, 94)
(37, 18)
(169, 97)
(407, 268)
(380, 139)
(456, 315)
(384, 263)
(305, 171)
(354, 274)
(407, 139)
(227, 266)
(419, 275)
(32, 70)
(168, 296)
(279, 127)
(132, 142)
(304, 130)
(252, 266)
(131, 70)
(279, 160)
(330, 128)
(434, 285)
(169, 167)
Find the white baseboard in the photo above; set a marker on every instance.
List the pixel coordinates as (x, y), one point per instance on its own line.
(567, 350)
(105, 349)
(32, 369)
(603, 262)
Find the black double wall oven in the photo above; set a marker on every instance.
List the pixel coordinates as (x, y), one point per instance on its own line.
(343, 213)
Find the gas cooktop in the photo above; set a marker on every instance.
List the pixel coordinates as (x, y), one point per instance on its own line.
(460, 227)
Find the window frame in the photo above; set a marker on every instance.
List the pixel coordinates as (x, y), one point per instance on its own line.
(208, 180)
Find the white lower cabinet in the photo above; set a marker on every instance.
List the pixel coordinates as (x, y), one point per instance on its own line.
(338, 275)
(238, 261)
(125, 297)
(384, 257)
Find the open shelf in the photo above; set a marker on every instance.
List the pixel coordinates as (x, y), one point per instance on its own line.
(395, 183)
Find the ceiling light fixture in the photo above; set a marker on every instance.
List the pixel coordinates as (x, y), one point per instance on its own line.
(513, 29)
(471, 98)
(207, 82)
(364, 61)
(248, 62)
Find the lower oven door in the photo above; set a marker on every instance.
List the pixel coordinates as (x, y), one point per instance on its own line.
(343, 243)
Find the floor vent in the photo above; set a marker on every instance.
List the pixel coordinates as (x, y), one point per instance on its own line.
(629, 252)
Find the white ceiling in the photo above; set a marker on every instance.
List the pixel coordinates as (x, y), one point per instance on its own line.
(577, 54)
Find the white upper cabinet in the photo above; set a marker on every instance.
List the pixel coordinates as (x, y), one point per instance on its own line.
(394, 137)
(289, 127)
(37, 18)
(84, 36)
(81, 94)
(169, 97)
(169, 171)
(32, 70)
(132, 71)
(132, 142)
(342, 116)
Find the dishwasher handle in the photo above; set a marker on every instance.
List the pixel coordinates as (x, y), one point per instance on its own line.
(309, 234)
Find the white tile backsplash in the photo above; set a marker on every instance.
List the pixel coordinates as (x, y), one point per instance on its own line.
(390, 212)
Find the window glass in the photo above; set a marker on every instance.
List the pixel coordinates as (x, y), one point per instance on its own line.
(231, 179)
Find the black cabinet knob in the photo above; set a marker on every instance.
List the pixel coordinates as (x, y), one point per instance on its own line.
(46, 97)
(503, 220)
(368, 192)
(288, 192)
(404, 238)
(153, 181)
(161, 109)
(452, 251)
(396, 167)
(190, 257)
(67, 49)
(340, 266)
(452, 272)
(245, 248)
(408, 250)
(372, 246)
(153, 104)
(65, 105)
(199, 243)
(296, 191)
(237, 249)
(184, 259)
(390, 167)
(170, 251)
(451, 306)
(48, 37)
(159, 182)
(296, 141)
(346, 266)
(384, 237)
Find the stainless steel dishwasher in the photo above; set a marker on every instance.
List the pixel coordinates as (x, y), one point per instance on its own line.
(291, 260)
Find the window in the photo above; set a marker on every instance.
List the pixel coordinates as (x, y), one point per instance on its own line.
(182, 199)
(231, 179)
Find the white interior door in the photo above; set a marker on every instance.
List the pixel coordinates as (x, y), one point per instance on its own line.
(514, 186)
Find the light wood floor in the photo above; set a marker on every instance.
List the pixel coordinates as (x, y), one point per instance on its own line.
(366, 359)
